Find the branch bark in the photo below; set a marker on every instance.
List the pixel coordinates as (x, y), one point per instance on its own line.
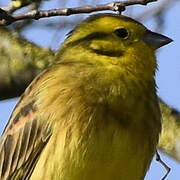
(7, 19)
(169, 141)
(20, 62)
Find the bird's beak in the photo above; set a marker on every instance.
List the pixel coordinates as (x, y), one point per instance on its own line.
(156, 40)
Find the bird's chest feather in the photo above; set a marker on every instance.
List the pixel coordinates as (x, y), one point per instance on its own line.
(108, 149)
(107, 137)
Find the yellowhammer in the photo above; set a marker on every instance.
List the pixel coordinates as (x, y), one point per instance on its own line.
(93, 115)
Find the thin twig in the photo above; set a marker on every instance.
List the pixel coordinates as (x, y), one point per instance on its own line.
(6, 18)
(168, 169)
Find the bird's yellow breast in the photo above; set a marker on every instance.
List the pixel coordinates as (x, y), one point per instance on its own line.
(99, 150)
(111, 136)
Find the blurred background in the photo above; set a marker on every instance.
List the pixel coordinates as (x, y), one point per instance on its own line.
(49, 33)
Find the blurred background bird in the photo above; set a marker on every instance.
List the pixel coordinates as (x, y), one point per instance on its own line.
(94, 114)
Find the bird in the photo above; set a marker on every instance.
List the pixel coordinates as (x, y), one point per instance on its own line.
(94, 113)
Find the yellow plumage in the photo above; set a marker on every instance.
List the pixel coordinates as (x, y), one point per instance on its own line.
(93, 115)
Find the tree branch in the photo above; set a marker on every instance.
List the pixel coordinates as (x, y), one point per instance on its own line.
(20, 62)
(7, 19)
(169, 141)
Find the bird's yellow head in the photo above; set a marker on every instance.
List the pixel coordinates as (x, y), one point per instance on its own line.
(115, 40)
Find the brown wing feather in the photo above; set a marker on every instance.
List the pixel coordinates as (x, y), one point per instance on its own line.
(21, 144)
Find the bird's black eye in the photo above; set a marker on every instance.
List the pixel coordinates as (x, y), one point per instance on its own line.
(122, 33)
